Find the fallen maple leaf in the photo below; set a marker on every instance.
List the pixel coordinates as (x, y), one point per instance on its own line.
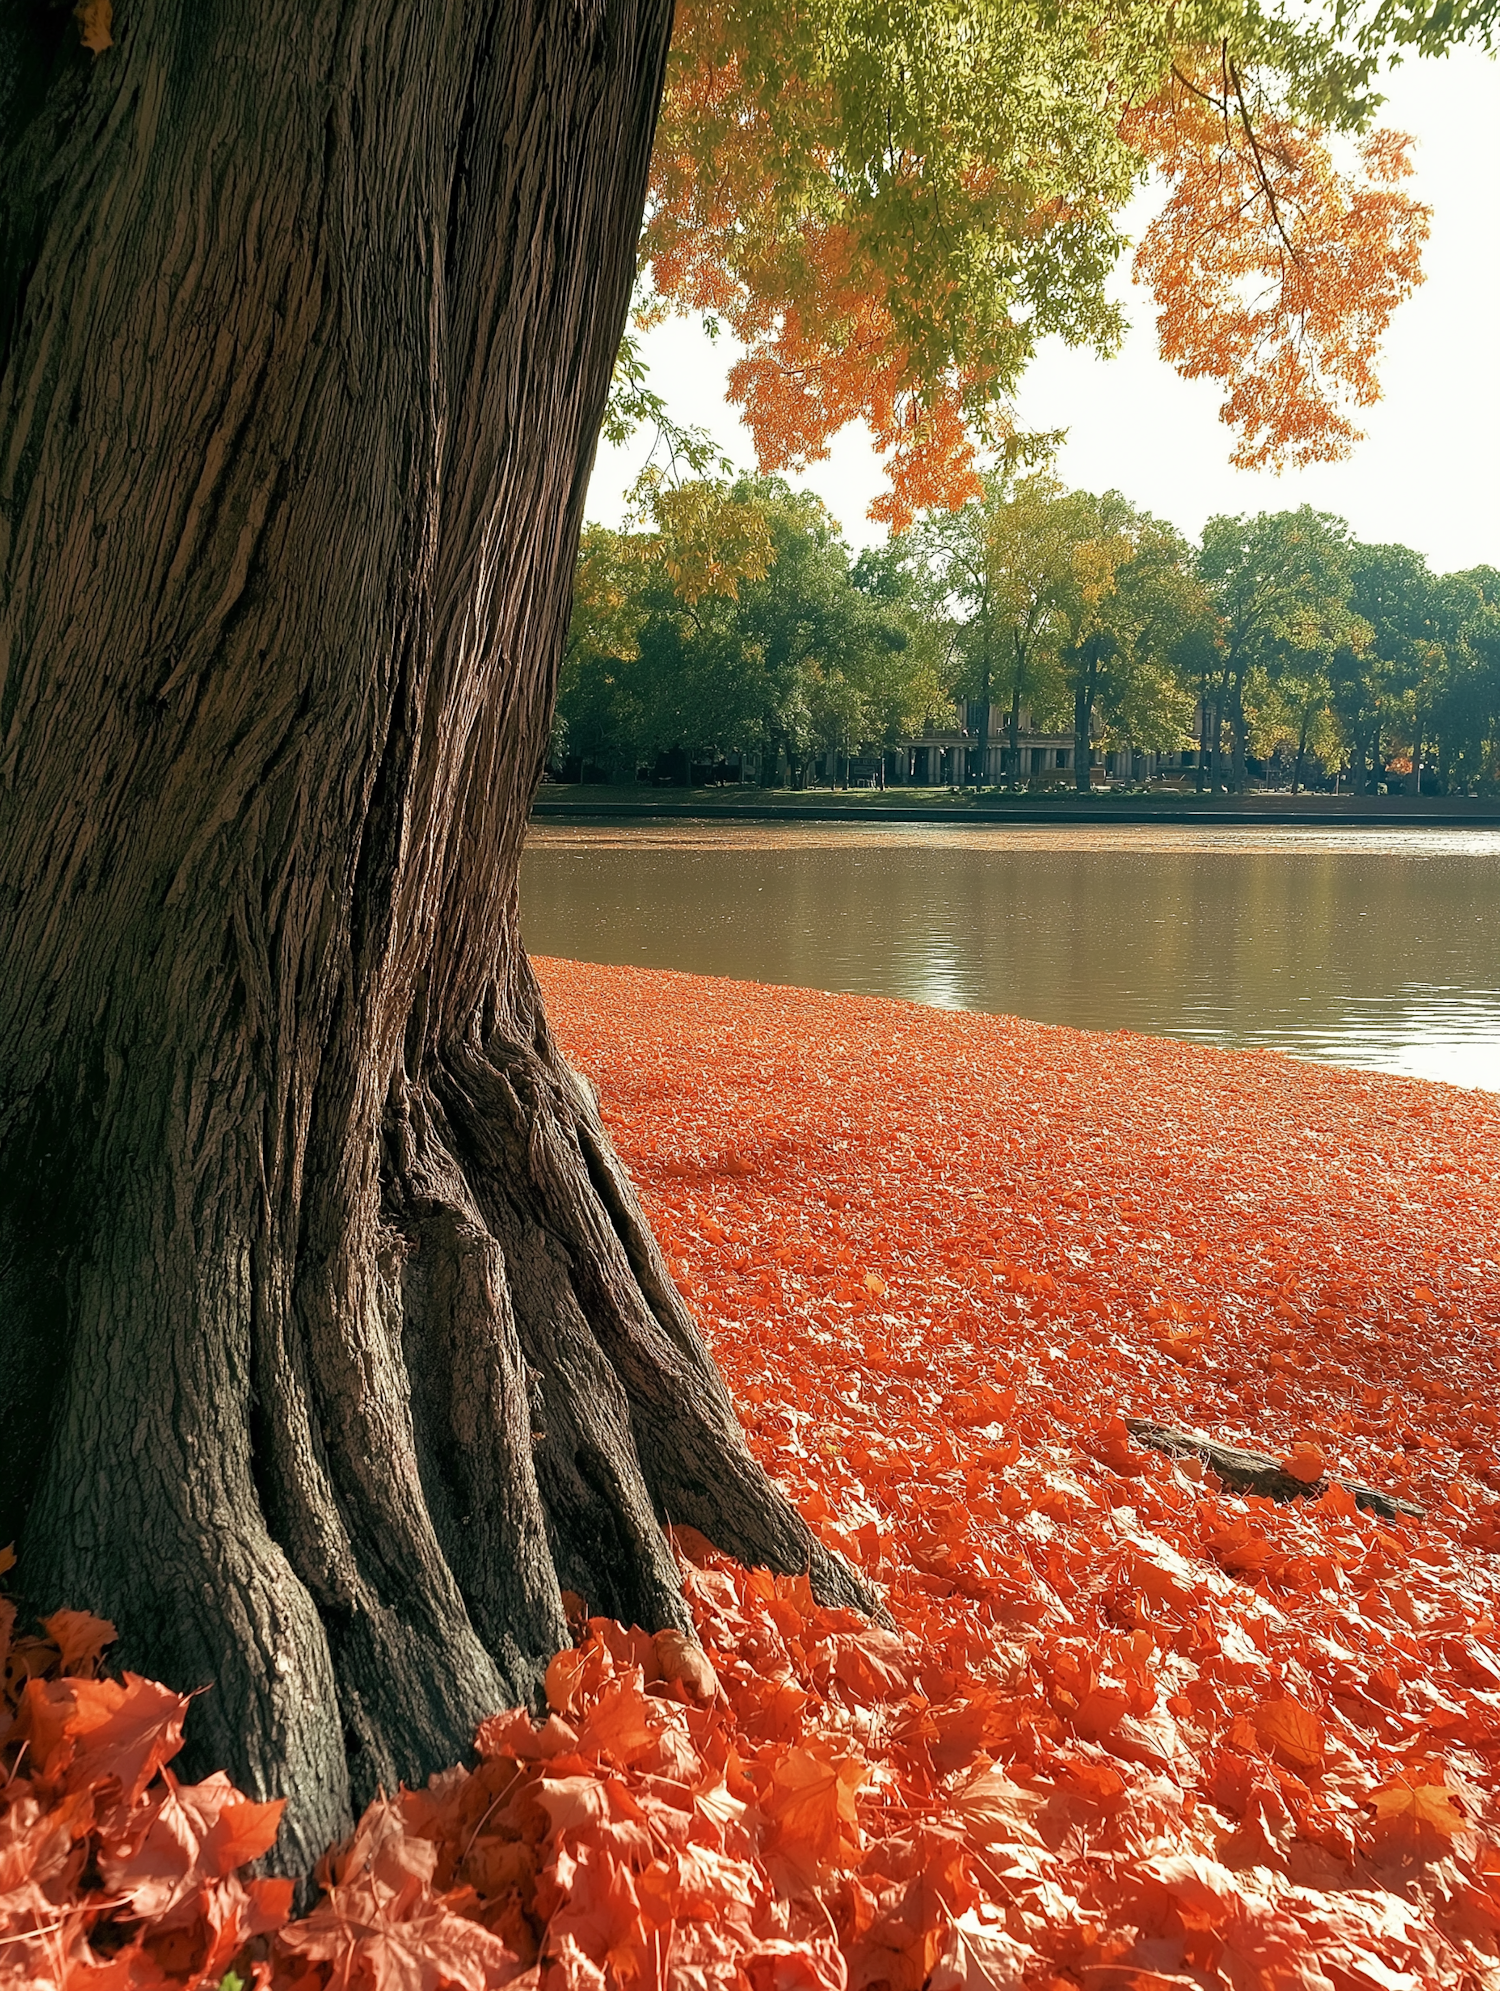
(1416, 1821)
(810, 1804)
(80, 1638)
(1306, 1463)
(101, 1731)
(622, 1726)
(681, 1661)
(383, 1939)
(1291, 1731)
(994, 1811)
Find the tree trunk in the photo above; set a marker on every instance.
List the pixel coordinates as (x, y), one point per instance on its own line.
(1083, 724)
(332, 1340)
(1014, 754)
(1216, 744)
(984, 717)
(1301, 753)
(1238, 774)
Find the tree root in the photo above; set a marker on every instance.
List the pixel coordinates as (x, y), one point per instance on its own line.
(349, 1495)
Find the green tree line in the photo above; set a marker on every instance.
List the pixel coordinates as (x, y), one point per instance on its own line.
(730, 627)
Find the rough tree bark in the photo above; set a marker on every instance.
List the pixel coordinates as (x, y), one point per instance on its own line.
(332, 1340)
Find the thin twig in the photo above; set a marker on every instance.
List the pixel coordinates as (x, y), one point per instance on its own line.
(1260, 165)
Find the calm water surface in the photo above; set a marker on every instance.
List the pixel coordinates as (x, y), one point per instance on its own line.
(1367, 947)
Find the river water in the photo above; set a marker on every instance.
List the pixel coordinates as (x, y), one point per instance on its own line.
(1378, 948)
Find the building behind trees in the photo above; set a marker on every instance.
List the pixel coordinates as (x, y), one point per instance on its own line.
(1036, 638)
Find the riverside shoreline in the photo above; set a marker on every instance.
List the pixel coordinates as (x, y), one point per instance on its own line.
(865, 806)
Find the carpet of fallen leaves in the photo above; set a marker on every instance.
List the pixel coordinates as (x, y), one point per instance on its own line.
(1128, 1730)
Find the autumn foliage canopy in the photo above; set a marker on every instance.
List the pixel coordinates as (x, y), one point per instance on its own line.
(891, 206)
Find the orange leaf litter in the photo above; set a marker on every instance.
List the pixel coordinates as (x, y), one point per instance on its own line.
(1129, 1730)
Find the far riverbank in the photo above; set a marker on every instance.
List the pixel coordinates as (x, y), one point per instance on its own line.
(578, 803)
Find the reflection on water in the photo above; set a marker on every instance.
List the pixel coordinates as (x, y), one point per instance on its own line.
(1378, 948)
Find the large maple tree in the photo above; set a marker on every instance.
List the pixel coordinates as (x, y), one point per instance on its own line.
(334, 1345)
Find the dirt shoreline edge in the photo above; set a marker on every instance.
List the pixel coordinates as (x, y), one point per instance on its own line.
(1323, 812)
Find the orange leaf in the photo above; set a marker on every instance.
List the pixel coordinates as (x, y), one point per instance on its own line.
(810, 1802)
(101, 1730)
(1291, 1731)
(619, 1726)
(563, 1672)
(514, 1734)
(243, 1832)
(681, 1661)
(95, 19)
(1305, 1462)
(80, 1637)
(1417, 1821)
(995, 1812)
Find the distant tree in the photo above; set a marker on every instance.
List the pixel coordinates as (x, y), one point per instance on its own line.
(804, 619)
(1165, 627)
(1090, 623)
(656, 657)
(1281, 585)
(732, 623)
(1004, 560)
(1466, 715)
(1383, 689)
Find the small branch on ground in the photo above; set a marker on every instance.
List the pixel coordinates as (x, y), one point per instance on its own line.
(1258, 1472)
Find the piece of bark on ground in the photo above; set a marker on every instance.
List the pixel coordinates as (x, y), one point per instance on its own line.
(1258, 1472)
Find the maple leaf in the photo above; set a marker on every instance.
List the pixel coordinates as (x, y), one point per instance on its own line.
(810, 1804)
(164, 1851)
(399, 1940)
(564, 1678)
(683, 1661)
(776, 1964)
(584, 1807)
(1292, 1731)
(514, 1734)
(384, 1928)
(36, 1839)
(872, 1666)
(80, 1638)
(979, 1956)
(600, 1920)
(102, 1731)
(994, 1811)
(1417, 1821)
(1306, 1463)
(622, 1726)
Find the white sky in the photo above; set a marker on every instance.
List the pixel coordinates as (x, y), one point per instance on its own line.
(1428, 473)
